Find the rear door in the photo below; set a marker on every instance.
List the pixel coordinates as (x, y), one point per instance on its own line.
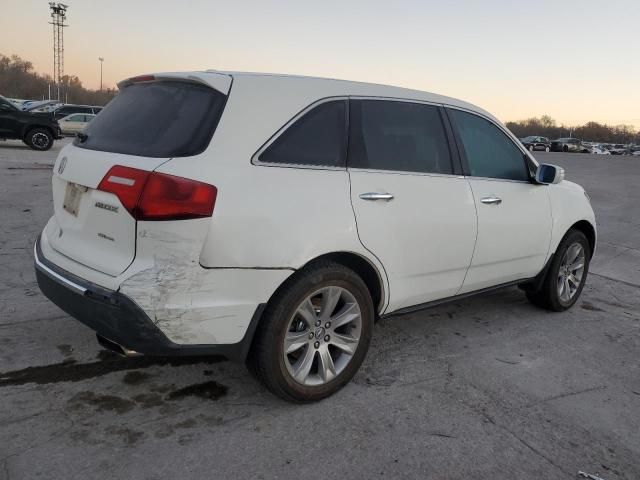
(149, 122)
(514, 214)
(413, 211)
(73, 123)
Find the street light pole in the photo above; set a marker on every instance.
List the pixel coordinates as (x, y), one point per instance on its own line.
(101, 62)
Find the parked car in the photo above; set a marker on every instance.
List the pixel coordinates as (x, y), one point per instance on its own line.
(34, 130)
(40, 106)
(533, 143)
(618, 149)
(569, 145)
(75, 123)
(276, 221)
(599, 150)
(66, 110)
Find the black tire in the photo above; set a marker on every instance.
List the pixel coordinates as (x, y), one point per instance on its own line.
(266, 358)
(565, 149)
(548, 296)
(39, 139)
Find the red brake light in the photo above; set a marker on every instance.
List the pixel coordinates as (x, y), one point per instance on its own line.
(142, 78)
(158, 196)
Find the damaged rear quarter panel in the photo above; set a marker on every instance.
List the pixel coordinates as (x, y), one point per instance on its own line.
(189, 303)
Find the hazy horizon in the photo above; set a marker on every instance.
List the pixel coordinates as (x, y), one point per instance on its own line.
(573, 61)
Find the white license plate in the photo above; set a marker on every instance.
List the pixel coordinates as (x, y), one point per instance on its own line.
(72, 197)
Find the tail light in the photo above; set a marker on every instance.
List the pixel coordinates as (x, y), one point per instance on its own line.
(158, 196)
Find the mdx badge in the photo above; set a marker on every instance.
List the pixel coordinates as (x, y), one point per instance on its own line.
(63, 164)
(106, 206)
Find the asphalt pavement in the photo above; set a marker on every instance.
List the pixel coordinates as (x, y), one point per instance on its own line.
(488, 387)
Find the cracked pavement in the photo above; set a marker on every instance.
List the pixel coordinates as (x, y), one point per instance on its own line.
(486, 387)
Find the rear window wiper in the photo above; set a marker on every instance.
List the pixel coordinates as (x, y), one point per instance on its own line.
(82, 137)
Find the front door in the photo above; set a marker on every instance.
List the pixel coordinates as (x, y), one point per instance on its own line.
(413, 213)
(514, 214)
(8, 119)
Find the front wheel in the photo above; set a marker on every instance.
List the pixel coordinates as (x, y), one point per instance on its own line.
(567, 274)
(531, 149)
(39, 139)
(546, 149)
(314, 334)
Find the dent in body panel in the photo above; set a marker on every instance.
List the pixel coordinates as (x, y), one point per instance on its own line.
(191, 304)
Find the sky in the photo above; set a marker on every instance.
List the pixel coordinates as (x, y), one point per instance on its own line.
(575, 60)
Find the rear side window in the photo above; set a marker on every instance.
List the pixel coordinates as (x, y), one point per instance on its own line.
(389, 135)
(317, 138)
(157, 119)
(490, 153)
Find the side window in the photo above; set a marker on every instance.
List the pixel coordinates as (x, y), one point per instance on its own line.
(317, 138)
(490, 153)
(403, 136)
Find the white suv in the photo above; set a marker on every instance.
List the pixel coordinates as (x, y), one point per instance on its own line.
(273, 218)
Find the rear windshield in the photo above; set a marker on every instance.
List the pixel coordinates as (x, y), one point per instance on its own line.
(157, 119)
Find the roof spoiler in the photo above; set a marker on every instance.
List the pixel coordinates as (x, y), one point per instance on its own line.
(218, 81)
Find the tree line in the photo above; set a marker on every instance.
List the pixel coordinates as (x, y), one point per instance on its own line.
(546, 126)
(19, 80)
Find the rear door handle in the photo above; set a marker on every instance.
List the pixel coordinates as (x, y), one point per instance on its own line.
(376, 196)
(491, 200)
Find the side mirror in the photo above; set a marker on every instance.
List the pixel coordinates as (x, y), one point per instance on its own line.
(549, 174)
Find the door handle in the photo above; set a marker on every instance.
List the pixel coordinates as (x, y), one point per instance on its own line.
(376, 196)
(491, 200)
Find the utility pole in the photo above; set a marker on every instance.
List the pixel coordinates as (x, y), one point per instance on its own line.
(101, 62)
(58, 17)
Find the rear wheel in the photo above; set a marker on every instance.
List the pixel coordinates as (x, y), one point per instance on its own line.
(565, 149)
(566, 276)
(314, 334)
(39, 139)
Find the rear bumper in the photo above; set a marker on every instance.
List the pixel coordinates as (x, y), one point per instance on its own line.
(116, 317)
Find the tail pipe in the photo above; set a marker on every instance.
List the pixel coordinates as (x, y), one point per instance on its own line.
(116, 347)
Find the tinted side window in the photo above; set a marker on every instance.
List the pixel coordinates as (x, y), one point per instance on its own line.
(490, 153)
(388, 135)
(317, 138)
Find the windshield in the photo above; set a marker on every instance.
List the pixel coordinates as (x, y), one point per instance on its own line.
(156, 119)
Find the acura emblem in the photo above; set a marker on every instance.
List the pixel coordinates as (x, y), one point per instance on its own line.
(63, 163)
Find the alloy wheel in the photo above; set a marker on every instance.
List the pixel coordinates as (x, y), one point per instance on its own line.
(322, 336)
(40, 140)
(571, 272)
